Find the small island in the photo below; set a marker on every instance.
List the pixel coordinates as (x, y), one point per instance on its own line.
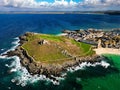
(51, 55)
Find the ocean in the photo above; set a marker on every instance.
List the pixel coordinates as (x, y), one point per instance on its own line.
(104, 75)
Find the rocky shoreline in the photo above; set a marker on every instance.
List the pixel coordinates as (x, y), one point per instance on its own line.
(50, 70)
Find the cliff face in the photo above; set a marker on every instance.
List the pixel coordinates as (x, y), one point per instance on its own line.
(49, 69)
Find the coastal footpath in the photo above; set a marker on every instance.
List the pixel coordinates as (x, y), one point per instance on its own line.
(51, 55)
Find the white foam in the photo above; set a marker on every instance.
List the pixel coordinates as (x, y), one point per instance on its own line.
(2, 49)
(104, 64)
(24, 77)
(2, 57)
(14, 43)
(86, 64)
(13, 70)
(6, 65)
(57, 78)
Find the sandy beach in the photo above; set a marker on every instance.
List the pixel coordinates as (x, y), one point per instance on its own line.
(100, 51)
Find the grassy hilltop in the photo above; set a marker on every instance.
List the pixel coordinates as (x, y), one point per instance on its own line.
(55, 49)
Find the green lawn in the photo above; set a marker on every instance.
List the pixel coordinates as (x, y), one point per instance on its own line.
(86, 48)
(45, 36)
(50, 53)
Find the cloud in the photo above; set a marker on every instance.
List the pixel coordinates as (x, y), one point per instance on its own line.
(62, 4)
(35, 4)
(1, 2)
(100, 4)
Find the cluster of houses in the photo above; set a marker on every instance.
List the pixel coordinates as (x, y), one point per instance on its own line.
(98, 37)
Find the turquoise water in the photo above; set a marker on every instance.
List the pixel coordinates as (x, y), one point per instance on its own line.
(90, 77)
(108, 82)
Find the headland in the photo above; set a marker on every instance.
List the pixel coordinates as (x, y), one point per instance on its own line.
(51, 55)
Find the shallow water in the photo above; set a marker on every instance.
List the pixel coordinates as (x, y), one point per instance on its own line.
(108, 82)
(102, 76)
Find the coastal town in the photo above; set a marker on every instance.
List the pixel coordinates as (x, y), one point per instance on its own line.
(105, 39)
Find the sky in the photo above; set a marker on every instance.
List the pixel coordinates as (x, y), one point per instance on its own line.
(59, 5)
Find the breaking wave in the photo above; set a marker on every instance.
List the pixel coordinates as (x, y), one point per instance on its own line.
(88, 64)
(15, 43)
(24, 78)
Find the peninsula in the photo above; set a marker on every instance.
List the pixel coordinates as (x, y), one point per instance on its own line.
(51, 55)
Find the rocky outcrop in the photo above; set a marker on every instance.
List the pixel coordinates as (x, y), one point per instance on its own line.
(47, 69)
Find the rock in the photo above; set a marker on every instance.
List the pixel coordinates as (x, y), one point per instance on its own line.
(10, 53)
(33, 69)
(25, 62)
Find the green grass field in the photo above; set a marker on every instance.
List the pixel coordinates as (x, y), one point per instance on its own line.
(51, 52)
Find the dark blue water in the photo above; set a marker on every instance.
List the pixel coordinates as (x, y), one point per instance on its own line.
(14, 25)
